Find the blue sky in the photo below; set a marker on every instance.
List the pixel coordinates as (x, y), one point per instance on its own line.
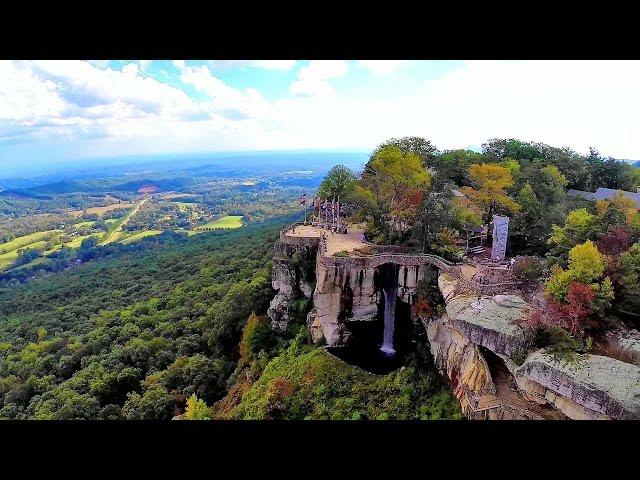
(55, 111)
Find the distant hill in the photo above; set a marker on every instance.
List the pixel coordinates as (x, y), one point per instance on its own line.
(22, 195)
(41, 192)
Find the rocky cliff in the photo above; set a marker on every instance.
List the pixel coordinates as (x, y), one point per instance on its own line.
(292, 276)
(524, 382)
(494, 370)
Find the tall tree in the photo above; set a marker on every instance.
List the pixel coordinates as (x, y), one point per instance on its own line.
(490, 194)
(391, 188)
(339, 182)
(416, 145)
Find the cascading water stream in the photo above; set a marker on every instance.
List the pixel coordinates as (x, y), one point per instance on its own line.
(389, 320)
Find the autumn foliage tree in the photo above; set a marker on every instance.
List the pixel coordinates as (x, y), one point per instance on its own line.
(490, 188)
(389, 191)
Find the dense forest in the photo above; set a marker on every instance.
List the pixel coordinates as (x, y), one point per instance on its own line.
(136, 333)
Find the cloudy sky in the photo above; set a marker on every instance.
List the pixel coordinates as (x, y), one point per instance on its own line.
(63, 110)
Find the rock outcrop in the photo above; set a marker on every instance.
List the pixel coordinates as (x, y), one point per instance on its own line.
(595, 387)
(488, 321)
(460, 360)
(292, 276)
(478, 344)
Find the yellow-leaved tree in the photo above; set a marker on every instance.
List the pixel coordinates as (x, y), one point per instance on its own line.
(391, 187)
(489, 192)
(197, 409)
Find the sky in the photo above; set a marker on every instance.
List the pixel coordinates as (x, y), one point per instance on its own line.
(56, 111)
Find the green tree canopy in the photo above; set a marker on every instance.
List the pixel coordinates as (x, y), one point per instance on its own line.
(338, 183)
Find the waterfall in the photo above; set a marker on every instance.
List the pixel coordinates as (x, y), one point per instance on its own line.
(389, 312)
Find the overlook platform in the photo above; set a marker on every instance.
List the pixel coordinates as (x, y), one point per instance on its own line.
(336, 242)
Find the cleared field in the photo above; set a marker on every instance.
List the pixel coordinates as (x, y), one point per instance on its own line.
(24, 241)
(184, 206)
(230, 221)
(102, 210)
(84, 224)
(75, 243)
(7, 259)
(115, 234)
(32, 263)
(139, 236)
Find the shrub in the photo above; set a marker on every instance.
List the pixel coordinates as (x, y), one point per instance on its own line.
(528, 270)
(257, 336)
(341, 253)
(196, 409)
(366, 250)
(564, 347)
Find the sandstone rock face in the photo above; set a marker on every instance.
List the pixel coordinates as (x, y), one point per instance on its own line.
(346, 291)
(460, 360)
(596, 387)
(341, 294)
(288, 280)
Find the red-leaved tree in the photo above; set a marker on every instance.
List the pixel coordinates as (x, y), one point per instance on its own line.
(572, 315)
(615, 241)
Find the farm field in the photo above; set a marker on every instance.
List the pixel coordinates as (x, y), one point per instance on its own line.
(75, 243)
(102, 210)
(139, 236)
(24, 241)
(229, 221)
(32, 263)
(7, 259)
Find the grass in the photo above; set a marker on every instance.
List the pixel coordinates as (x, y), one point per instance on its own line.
(24, 241)
(7, 259)
(114, 232)
(229, 221)
(103, 210)
(75, 243)
(139, 236)
(84, 224)
(32, 263)
(184, 206)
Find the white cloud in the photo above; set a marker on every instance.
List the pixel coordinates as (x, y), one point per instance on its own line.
(180, 64)
(100, 63)
(382, 67)
(274, 64)
(284, 65)
(577, 104)
(323, 70)
(144, 64)
(313, 78)
(226, 101)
